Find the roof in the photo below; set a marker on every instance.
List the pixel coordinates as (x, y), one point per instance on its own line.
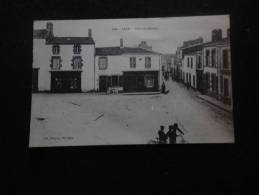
(214, 43)
(40, 34)
(107, 51)
(70, 40)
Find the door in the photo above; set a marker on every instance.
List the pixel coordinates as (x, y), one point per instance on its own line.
(102, 83)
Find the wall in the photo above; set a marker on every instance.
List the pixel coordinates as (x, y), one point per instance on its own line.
(41, 60)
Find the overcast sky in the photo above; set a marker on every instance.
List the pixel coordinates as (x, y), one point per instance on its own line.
(164, 34)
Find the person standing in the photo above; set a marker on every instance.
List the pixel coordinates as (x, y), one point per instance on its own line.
(161, 135)
(172, 133)
(163, 87)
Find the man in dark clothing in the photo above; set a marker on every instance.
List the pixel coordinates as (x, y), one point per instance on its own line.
(163, 87)
(162, 136)
(172, 133)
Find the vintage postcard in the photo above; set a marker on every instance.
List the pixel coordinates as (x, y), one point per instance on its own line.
(131, 81)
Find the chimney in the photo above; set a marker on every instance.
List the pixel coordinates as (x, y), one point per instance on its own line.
(121, 42)
(216, 35)
(49, 28)
(89, 32)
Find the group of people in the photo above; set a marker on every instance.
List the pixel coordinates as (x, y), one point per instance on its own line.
(171, 134)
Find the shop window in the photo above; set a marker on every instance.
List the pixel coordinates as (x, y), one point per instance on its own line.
(149, 81)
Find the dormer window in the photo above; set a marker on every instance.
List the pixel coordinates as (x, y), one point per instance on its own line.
(77, 49)
(55, 49)
(55, 63)
(77, 63)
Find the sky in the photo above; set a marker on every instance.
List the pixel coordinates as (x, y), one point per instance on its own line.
(163, 34)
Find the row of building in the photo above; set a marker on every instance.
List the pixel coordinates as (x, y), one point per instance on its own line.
(206, 66)
(74, 64)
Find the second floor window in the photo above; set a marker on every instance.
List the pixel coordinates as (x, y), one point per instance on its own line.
(207, 55)
(55, 49)
(132, 62)
(191, 63)
(77, 63)
(103, 63)
(55, 63)
(225, 59)
(213, 58)
(77, 49)
(147, 62)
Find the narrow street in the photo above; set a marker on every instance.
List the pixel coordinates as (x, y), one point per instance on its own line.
(91, 119)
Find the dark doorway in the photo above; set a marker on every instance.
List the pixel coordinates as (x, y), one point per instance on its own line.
(103, 85)
(66, 81)
(137, 81)
(35, 78)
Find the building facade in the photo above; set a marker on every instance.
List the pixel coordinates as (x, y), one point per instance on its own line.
(62, 64)
(129, 69)
(217, 67)
(73, 64)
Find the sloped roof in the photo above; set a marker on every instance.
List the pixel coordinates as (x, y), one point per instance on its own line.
(107, 51)
(40, 34)
(70, 40)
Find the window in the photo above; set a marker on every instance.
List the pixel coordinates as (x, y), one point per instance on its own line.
(191, 62)
(132, 62)
(199, 61)
(55, 63)
(120, 81)
(55, 49)
(225, 59)
(226, 88)
(188, 62)
(77, 63)
(73, 83)
(77, 49)
(149, 81)
(193, 78)
(207, 57)
(103, 63)
(221, 84)
(115, 80)
(213, 58)
(186, 77)
(147, 62)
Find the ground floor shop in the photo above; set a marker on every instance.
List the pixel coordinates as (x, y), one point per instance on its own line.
(65, 81)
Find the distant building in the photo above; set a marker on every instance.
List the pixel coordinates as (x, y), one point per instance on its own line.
(191, 69)
(130, 69)
(217, 67)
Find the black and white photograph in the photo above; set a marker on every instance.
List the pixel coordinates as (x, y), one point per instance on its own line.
(132, 81)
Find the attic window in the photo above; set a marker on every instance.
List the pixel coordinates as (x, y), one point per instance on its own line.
(55, 49)
(77, 49)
